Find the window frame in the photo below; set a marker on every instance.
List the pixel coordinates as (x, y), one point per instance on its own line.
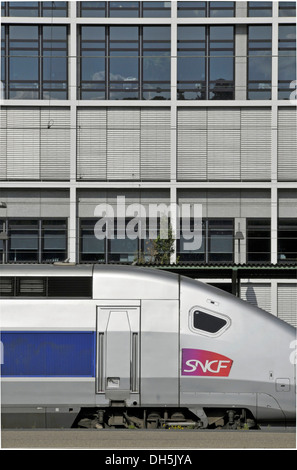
(207, 46)
(206, 311)
(253, 86)
(41, 88)
(39, 230)
(115, 89)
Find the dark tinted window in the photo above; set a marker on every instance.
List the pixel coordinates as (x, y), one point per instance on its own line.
(206, 322)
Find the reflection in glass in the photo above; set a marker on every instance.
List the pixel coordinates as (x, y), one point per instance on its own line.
(259, 62)
(118, 50)
(23, 241)
(217, 242)
(124, 63)
(205, 68)
(34, 59)
(205, 9)
(287, 9)
(259, 9)
(156, 62)
(91, 248)
(92, 62)
(286, 60)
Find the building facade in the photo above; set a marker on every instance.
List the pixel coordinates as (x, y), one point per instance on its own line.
(176, 104)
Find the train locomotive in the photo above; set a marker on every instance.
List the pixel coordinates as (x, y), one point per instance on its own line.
(124, 346)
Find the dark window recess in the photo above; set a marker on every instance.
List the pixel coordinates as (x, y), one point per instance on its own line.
(70, 287)
(46, 287)
(6, 286)
(31, 286)
(209, 323)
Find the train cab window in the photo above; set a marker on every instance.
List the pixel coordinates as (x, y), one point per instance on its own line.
(208, 323)
(31, 286)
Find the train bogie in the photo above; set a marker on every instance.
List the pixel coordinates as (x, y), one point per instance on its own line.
(142, 348)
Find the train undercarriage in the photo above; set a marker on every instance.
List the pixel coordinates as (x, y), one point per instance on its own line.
(169, 418)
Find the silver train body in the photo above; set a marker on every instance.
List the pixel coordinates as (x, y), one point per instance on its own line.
(144, 348)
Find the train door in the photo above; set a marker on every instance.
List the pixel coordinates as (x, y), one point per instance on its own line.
(118, 353)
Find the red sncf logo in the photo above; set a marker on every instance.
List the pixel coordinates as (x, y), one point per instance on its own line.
(199, 362)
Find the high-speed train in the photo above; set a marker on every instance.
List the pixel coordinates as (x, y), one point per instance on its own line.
(106, 346)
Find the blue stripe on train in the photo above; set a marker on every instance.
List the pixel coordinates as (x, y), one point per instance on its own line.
(48, 354)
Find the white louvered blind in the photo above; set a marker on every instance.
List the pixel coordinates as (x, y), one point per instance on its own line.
(155, 144)
(123, 144)
(191, 144)
(287, 144)
(258, 295)
(55, 144)
(91, 143)
(255, 144)
(287, 303)
(3, 166)
(223, 144)
(23, 143)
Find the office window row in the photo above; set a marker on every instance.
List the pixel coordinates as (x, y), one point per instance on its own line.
(45, 241)
(120, 62)
(34, 240)
(134, 62)
(34, 9)
(124, 9)
(264, 9)
(143, 9)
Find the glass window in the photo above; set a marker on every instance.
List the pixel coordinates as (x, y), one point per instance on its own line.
(54, 9)
(91, 248)
(221, 9)
(54, 241)
(1, 241)
(221, 63)
(91, 9)
(191, 66)
(205, 9)
(123, 9)
(205, 68)
(23, 241)
(4, 56)
(54, 64)
(122, 248)
(6, 286)
(156, 9)
(287, 9)
(286, 60)
(35, 62)
(258, 240)
(220, 240)
(92, 62)
(39, 240)
(287, 240)
(31, 286)
(259, 62)
(34, 9)
(128, 53)
(208, 323)
(23, 57)
(259, 9)
(217, 242)
(156, 63)
(124, 62)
